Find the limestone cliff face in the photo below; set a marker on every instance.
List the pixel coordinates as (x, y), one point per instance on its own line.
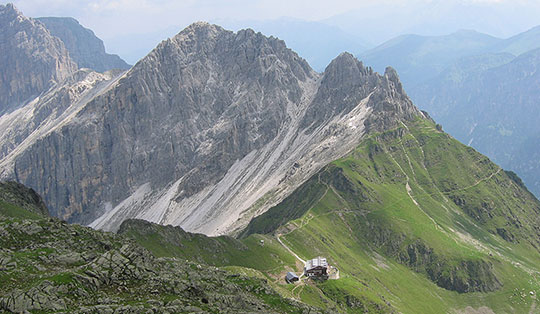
(53, 108)
(84, 47)
(210, 129)
(31, 59)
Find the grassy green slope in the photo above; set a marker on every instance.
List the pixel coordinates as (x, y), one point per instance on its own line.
(416, 219)
(269, 260)
(169, 241)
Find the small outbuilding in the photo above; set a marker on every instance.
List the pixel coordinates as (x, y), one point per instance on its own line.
(317, 268)
(291, 277)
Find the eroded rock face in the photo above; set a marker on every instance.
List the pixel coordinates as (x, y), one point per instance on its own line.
(84, 47)
(210, 129)
(32, 60)
(24, 125)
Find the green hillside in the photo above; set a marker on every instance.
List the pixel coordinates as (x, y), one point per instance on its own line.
(491, 102)
(266, 260)
(416, 219)
(260, 252)
(415, 222)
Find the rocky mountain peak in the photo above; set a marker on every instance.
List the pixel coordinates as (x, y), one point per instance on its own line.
(202, 27)
(342, 60)
(209, 122)
(7, 9)
(213, 39)
(198, 31)
(391, 74)
(244, 55)
(10, 15)
(204, 31)
(31, 59)
(345, 68)
(346, 83)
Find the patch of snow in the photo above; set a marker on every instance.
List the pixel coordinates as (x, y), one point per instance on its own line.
(473, 128)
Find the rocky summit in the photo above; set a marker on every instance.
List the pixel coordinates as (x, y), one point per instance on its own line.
(210, 129)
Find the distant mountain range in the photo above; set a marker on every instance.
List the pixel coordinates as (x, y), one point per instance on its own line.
(380, 21)
(483, 90)
(421, 58)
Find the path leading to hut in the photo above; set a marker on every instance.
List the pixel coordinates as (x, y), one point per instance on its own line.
(289, 249)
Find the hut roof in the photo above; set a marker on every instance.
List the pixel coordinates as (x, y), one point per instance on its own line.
(291, 275)
(316, 262)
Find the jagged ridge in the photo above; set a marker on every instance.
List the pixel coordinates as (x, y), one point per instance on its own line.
(211, 128)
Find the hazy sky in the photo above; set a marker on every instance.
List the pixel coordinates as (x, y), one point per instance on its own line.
(115, 17)
(121, 22)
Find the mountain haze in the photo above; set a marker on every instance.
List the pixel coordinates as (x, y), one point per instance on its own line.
(494, 108)
(418, 58)
(520, 43)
